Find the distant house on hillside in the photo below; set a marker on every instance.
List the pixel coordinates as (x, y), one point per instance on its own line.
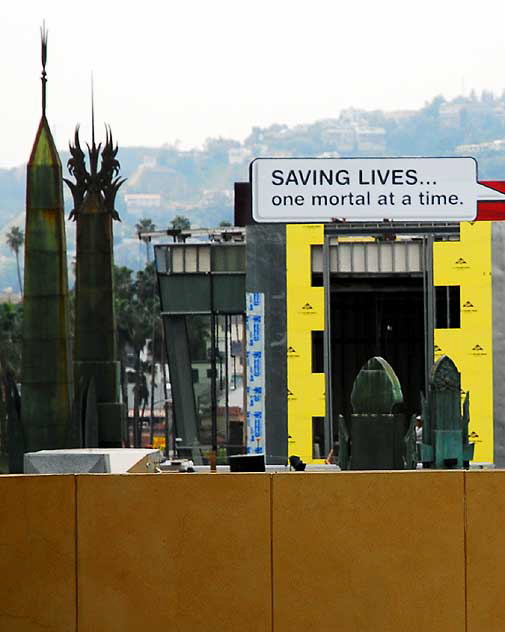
(479, 148)
(137, 203)
(352, 137)
(371, 139)
(340, 137)
(399, 115)
(451, 114)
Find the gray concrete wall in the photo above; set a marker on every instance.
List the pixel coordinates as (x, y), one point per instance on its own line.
(266, 273)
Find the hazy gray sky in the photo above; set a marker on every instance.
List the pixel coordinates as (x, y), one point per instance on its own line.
(189, 69)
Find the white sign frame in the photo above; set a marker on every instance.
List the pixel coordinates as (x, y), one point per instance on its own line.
(410, 189)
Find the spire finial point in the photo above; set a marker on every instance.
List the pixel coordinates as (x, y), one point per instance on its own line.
(43, 42)
(92, 111)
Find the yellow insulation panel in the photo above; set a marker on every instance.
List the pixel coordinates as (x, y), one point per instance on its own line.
(467, 263)
(305, 313)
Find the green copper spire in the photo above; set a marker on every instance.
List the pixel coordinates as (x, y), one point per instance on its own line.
(46, 365)
(44, 189)
(96, 369)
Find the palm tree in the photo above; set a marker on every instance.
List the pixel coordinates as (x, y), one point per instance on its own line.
(145, 225)
(181, 223)
(137, 319)
(15, 239)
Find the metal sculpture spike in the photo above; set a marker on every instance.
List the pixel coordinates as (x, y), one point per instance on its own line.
(108, 176)
(92, 111)
(43, 42)
(104, 181)
(77, 167)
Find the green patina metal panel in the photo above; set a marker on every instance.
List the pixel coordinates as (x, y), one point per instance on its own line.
(448, 448)
(229, 258)
(45, 193)
(377, 442)
(229, 293)
(189, 293)
(185, 293)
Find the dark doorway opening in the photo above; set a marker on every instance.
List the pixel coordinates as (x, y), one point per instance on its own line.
(376, 317)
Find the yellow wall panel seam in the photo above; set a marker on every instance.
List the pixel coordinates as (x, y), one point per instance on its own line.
(305, 309)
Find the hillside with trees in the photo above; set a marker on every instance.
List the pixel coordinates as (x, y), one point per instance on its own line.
(167, 182)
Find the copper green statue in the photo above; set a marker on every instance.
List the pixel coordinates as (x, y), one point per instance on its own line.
(99, 416)
(46, 364)
(375, 436)
(445, 442)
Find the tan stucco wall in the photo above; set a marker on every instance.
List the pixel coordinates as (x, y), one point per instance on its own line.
(367, 551)
(366, 548)
(174, 552)
(485, 531)
(37, 554)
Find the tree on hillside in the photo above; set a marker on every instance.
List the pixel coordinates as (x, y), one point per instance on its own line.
(15, 240)
(145, 225)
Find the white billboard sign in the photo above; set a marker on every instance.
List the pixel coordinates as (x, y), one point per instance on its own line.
(366, 189)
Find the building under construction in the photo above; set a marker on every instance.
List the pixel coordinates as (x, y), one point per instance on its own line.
(322, 299)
